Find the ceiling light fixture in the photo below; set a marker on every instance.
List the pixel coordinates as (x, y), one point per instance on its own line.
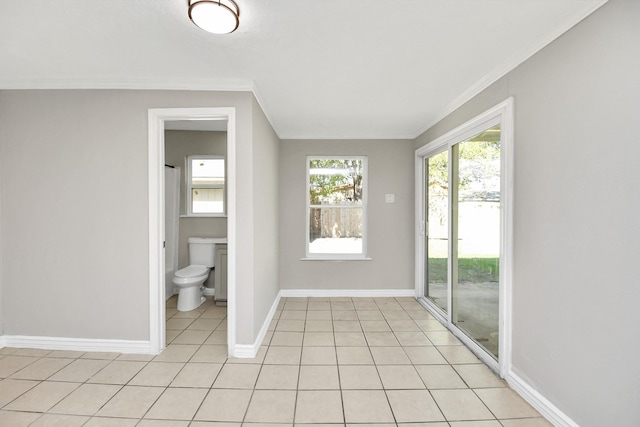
(215, 16)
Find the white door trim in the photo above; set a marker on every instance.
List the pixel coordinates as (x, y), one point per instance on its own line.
(157, 117)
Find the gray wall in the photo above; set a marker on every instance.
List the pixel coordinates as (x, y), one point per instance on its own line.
(75, 217)
(178, 145)
(1, 246)
(266, 146)
(390, 226)
(575, 284)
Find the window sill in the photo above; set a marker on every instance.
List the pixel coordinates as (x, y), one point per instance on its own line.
(336, 258)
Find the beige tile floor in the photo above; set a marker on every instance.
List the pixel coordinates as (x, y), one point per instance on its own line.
(325, 362)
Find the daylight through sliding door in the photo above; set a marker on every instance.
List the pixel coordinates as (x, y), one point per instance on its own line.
(437, 229)
(475, 292)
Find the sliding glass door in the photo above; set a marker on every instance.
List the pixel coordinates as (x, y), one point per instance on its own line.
(462, 211)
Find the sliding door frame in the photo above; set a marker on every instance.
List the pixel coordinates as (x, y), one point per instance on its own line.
(501, 114)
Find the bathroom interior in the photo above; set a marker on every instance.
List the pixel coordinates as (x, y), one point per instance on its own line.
(195, 214)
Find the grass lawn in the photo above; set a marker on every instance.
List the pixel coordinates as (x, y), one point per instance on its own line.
(476, 270)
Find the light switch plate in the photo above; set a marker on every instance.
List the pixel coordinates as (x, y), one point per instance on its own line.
(390, 198)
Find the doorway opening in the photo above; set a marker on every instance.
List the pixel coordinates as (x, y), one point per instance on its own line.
(158, 120)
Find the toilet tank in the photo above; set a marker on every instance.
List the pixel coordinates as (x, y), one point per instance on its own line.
(202, 251)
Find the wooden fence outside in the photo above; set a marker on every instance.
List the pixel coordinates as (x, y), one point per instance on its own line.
(335, 222)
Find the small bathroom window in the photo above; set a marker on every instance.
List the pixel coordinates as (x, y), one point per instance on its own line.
(205, 186)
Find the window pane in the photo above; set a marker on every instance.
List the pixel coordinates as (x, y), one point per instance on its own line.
(437, 189)
(335, 181)
(207, 171)
(207, 200)
(335, 231)
(476, 290)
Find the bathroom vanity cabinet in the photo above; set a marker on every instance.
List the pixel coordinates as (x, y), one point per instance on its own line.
(220, 274)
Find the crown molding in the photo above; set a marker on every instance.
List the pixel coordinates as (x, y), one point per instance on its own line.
(334, 136)
(263, 106)
(142, 84)
(511, 63)
(225, 85)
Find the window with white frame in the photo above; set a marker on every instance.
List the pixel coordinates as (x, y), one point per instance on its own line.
(205, 186)
(336, 207)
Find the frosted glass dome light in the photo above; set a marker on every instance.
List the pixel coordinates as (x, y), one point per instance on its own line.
(215, 16)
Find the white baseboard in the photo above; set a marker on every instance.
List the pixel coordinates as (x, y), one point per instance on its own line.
(249, 351)
(76, 344)
(547, 409)
(245, 351)
(363, 293)
(144, 347)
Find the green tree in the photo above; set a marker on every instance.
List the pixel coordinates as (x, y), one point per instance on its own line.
(335, 181)
(478, 158)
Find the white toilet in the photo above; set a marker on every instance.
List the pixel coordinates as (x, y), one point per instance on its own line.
(190, 279)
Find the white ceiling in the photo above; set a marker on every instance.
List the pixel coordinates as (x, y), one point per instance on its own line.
(319, 68)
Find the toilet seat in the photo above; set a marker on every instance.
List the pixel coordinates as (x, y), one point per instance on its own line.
(192, 271)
